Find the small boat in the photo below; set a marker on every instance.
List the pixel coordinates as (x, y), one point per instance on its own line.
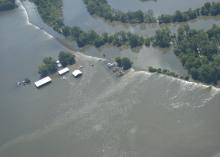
(26, 81)
(18, 83)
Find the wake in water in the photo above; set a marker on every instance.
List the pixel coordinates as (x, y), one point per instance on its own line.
(202, 93)
(27, 20)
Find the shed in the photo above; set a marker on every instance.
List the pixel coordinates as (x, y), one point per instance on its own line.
(63, 71)
(77, 73)
(43, 81)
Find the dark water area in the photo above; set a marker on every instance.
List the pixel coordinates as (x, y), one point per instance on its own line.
(22, 49)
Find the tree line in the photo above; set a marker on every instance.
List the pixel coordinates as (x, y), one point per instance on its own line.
(7, 5)
(51, 12)
(92, 38)
(102, 9)
(167, 72)
(208, 9)
(161, 39)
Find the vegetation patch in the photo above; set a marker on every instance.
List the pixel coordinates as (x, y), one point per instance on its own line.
(66, 58)
(7, 5)
(167, 72)
(199, 52)
(124, 62)
(49, 65)
(51, 12)
(162, 38)
(102, 9)
(208, 9)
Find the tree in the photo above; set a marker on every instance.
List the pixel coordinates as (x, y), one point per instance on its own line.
(147, 42)
(118, 61)
(43, 70)
(48, 67)
(66, 58)
(124, 62)
(51, 64)
(162, 38)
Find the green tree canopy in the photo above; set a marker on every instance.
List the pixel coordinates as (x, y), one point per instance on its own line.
(48, 67)
(66, 58)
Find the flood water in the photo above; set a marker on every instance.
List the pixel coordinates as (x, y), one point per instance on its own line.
(99, 115)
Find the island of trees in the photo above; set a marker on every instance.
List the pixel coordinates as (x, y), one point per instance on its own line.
(49, 65)
(7, 5)
(199, 52)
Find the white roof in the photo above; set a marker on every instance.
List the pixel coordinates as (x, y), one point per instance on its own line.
(76, 73)
(57, 61)
(59, 65)
(63, 71)
(43, 81)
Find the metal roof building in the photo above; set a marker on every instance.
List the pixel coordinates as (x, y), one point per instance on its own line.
(63, 71)
(77, 73)
(42, 82)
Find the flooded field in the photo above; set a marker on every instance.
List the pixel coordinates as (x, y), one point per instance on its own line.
(99, 115)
